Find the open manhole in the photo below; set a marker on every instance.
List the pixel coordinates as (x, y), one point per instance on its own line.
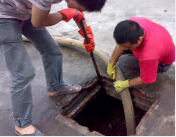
(104, 113)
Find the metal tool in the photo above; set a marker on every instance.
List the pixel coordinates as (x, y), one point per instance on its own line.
(91, 54)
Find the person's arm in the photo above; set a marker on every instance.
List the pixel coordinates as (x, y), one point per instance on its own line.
(148, 74)
(136, 82)
(121, 85)
(88, 46)
(42, 18)
(118, 51)
(84, 22)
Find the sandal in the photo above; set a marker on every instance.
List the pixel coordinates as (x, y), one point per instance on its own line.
(66, 90)
(36, 133)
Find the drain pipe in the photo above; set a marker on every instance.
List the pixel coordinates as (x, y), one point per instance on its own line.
(127, 105)
(125, 95)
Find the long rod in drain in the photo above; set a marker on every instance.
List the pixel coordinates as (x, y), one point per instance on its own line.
(92, 55)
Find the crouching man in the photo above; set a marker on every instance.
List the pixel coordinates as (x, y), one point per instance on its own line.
(144, 48)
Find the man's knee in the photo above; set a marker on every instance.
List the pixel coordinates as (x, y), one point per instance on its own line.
(129, 65)
(123, 62)
(128, 61)
(54, 50)
(23, 79)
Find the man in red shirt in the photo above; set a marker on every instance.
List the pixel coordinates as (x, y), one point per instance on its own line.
(30, 18)
(144, 48)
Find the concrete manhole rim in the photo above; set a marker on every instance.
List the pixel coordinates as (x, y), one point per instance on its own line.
(125, 95)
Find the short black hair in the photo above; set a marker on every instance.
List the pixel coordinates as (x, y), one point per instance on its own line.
(92, 5)
(128, 31)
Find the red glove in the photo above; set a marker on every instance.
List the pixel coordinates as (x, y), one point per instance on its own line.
(72, 13)
(89, 47)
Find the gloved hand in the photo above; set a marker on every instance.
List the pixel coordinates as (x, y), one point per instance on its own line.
(72, 13)
(111, 70)
(89, 47)
(121, 85)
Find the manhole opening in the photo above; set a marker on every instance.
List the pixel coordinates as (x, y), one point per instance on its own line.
(105, 115)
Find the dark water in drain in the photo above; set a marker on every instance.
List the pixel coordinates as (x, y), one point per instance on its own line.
(105, 114)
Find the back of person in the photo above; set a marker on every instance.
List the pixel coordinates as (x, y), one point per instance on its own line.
(21, 9)
(157, 43)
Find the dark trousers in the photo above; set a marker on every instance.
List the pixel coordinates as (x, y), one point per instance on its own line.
(129, 65)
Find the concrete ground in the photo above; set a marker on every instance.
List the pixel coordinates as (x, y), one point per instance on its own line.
(78, 68)
(161, 120)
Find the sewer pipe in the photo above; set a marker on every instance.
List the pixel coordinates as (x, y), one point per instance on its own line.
(125, 95)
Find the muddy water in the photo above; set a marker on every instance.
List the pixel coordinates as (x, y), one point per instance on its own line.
(105, 114)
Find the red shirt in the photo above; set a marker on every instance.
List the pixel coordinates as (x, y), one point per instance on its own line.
(156, 47)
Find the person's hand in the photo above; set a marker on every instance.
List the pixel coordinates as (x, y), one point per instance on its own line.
(72, 13)
(111, 70)
(89, 47)
(79, 16)
(121, 85)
